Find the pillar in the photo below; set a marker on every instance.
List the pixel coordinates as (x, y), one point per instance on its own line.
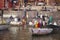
(50, 2)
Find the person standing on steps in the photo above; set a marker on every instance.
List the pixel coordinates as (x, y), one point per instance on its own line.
(25, 2)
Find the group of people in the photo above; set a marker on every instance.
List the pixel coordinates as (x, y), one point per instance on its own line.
(41, 21)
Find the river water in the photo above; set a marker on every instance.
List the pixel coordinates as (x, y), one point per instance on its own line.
(18, 33)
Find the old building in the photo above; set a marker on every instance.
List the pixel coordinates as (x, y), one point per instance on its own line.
(9, 4)
(48, 2)
(1, 4)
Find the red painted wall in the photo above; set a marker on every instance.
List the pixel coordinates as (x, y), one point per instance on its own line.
(1, 4)
(10, 5)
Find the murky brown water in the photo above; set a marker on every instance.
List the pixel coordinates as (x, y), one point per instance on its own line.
(16, 33)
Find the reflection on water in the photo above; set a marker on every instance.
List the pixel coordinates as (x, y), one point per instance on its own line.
(14, 33)
(13, 30)
(47, 37)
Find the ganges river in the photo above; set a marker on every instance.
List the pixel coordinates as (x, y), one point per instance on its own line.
(18, 33)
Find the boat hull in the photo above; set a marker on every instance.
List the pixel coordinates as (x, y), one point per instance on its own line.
(41, 30)
(3, 27)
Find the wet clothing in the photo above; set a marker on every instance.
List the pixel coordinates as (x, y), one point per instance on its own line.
(50, 18)
(36, 24)
(39, 25)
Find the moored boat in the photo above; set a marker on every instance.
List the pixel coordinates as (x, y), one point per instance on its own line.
(3, 27)
(41, 31)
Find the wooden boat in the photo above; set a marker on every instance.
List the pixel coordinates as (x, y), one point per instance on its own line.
(55, 28)
(40, 31)
(15, 23)
(3, 27)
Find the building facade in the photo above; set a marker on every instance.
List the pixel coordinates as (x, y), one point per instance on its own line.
(1, 4)
(9, 4)
(48, 2)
